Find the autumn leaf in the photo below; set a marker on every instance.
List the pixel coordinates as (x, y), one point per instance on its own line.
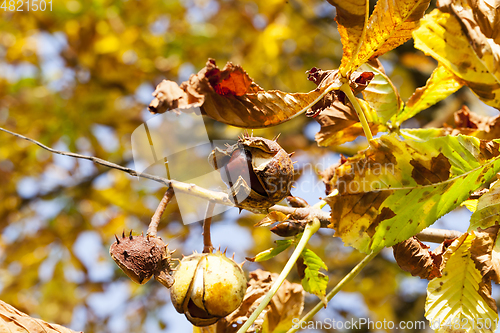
(381, 94)
(338, 119)
(231, 97)
(440, 85)
(389, 26)
(15, 321)
(461, 286)
(314, 281)
(440, 35)
(277, 317)
(485, 222)
(340, 123)
(351, 18)
(396, 188)
(414, 257)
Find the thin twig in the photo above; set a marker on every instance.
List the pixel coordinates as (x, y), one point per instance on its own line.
(155, 220)
(306, 213)
(207, 240)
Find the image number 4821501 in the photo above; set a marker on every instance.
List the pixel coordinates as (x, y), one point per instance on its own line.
(26, 6)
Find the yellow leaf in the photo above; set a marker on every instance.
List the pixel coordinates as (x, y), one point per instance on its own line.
(470, 204)
(352, 17)
(440, 85)
(440, 35)
(455, 300)
(389, 26)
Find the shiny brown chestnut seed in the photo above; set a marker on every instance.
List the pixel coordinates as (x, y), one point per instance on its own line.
(208, 286)
(258, 171)
(142, 257)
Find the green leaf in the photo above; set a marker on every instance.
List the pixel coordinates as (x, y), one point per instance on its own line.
(282, 245)
(381, 94)
(455, 300)
(314, 281)
(487, 213)
(440, 85)
(396, 188)
(440, 36)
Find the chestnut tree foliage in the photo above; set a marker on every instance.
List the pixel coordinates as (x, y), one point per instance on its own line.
(406, 90)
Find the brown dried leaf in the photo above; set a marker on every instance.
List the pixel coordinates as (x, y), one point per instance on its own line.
(338, 119)
(484, 254)
(231, 97)
(414, 257)
(287, 304)
(486, 128)
(15, 321)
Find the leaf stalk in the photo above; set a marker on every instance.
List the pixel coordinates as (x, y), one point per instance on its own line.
(361, 115)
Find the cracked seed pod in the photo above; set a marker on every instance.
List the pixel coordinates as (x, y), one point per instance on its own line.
(258, 171)
(142, 257)
(208, 286)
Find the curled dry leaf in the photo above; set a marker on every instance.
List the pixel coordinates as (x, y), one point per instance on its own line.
(338, 119)
(15, 321)
(414, 257)
(287, 304)
(231, 97)
(484, 253)
(482, 127)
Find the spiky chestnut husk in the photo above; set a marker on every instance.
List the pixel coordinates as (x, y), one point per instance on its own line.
(270, 175)
(142, 257)
(208, 286)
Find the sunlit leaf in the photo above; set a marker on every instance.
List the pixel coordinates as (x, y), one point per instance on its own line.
(440, 35)
(15, 321)
(396, 188)
(390, 25)
(487, 213)
(281, 245)
(381, 94)
(479, 21)
(352, 18)
(455, 301)
(440, 85)
(231, 97)
(314, 281)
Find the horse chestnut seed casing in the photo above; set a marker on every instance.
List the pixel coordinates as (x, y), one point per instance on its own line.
(208, 286)
(258, 171)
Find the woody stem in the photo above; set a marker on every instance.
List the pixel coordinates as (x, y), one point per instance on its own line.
(155, 220)
(207, 241)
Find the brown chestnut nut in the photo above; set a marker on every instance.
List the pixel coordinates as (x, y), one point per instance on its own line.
(258, 171)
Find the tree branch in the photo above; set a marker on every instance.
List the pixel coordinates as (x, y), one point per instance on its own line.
(305, 214)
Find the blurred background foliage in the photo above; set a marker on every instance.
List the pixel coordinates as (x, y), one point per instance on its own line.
(79, 78)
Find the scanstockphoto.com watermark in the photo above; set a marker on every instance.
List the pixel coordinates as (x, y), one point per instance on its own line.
(357, 324)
